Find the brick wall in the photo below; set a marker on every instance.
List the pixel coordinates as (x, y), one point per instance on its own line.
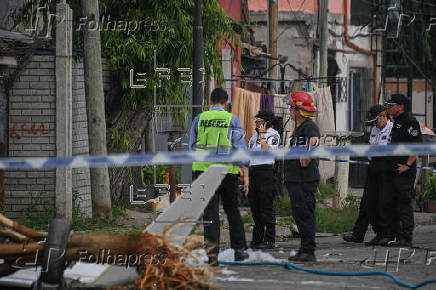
(32, 133)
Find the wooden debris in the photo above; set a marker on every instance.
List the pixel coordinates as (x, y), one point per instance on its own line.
(21, 229)
(161, 264)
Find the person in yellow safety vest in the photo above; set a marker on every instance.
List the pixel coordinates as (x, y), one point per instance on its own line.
(219, 131)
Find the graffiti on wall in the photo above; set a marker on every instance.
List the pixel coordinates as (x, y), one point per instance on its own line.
(33, 130)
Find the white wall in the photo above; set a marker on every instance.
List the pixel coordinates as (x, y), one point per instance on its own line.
(419, 104)
(345, 62)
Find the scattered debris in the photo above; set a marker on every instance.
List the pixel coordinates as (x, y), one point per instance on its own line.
(159, 263)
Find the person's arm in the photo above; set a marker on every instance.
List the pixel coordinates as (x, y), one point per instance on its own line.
(246, 179)
(313, 134)
(415, 136)
(237, 136)
(193, 134)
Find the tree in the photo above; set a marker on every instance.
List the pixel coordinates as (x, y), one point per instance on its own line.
(100, 190)
(131, 30)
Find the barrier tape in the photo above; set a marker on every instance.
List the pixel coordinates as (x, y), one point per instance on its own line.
(187, 157)
(367, 163)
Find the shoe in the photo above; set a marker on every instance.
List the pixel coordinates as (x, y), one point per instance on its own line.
(374, 241)
(266, 245)
(352, 238)
(303, 257)
(402, 242)
(240, 255)
(386, 241)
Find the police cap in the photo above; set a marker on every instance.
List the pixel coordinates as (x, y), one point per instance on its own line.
(397, 99)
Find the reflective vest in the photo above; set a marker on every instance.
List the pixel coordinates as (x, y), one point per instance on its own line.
(213, 130)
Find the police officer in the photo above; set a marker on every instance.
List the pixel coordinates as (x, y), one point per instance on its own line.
(377, 182)
(302, 176)
(220, 131)
(262, 187)
(406, 129)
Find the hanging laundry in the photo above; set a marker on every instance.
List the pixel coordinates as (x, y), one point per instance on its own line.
(245, 105)
(325, 119)
(266, 102)
(281, 109)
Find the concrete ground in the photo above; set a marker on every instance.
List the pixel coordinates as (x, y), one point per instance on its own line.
(333, 254)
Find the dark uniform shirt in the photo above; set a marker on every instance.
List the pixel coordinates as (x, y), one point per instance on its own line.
(406, 129)
(293, 170)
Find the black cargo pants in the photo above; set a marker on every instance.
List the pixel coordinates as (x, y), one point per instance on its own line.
(379, 196)
(228, 192)
(402, 218)
(261, 198)
(302, 197)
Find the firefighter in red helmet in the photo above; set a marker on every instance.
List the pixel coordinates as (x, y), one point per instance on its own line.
(302, 175)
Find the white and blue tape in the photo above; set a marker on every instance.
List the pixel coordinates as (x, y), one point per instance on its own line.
(366, 162)
(187, 157)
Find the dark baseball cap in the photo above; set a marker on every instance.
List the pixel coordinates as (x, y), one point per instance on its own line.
(397, 99)
(373, 113)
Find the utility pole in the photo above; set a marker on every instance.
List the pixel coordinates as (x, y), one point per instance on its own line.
(272, 35)
(341, 169)
(198, 81)
(324, 37)
(64, 106)
(412, 55)
(100, 190)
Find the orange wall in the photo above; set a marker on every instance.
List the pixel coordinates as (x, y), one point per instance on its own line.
(309, 6)
(233, 8)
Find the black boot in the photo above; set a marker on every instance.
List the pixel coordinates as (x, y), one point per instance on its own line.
(352, 238)
(240, 255)
(386, 241)
(303, 256)
(402, 242)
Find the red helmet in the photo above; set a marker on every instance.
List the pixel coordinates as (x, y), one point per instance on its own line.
(303, 101)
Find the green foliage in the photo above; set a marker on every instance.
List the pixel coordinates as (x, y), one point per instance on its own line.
(325, 190)
(282, 205)
(162, 175)
(350, 201)
(328, 220)
(39, 212)
(285, 221)
(167, 28)
(196, 231)
(430, 188)
(248, 218)
(84, 224)
(335, 220)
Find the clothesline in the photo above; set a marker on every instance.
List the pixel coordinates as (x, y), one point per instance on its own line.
(255, 81)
